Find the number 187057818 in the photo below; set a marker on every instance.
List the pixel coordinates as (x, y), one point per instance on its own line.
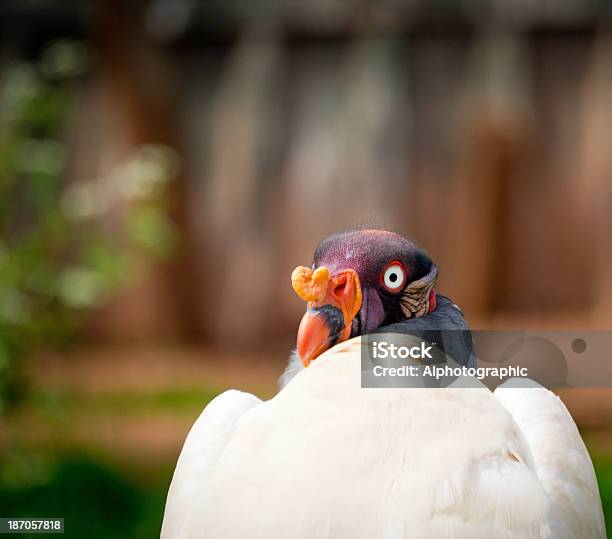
(31, 525)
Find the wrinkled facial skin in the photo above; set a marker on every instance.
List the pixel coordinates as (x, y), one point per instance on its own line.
(366, 254)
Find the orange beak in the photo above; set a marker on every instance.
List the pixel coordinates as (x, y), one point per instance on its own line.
(333, 303)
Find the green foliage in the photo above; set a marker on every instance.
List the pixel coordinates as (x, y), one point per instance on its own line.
(60, 406)
(97, 501)
(65, 247)
(102, 490)
(94, 499)
(603, 470)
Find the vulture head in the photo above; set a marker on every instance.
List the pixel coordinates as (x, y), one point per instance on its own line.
(360, 281)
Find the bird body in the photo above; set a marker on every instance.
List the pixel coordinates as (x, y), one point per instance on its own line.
(327, 459)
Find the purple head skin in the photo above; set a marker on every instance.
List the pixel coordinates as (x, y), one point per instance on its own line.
(395, 277)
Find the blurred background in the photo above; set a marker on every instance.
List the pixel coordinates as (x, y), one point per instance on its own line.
(165, 164)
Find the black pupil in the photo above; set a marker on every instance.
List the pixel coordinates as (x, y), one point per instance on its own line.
(393, 277)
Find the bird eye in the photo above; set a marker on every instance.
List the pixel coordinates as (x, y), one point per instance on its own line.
(394, 277)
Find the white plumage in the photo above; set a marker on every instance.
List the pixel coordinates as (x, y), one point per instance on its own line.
(327, 459)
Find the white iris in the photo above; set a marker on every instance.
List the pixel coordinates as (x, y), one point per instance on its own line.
(394, 277)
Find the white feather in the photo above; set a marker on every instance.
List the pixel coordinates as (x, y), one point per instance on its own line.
(327, 459)
(204, 444)
(294, 366)
(562, 462)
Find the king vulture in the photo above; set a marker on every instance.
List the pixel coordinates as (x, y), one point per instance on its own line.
(326, 458)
